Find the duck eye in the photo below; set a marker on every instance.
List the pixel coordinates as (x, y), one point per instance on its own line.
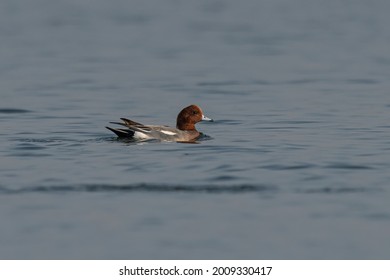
(194, 112)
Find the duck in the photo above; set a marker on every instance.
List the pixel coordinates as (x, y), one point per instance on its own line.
(185, 130)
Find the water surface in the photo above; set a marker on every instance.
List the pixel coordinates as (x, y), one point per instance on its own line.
(295, 166)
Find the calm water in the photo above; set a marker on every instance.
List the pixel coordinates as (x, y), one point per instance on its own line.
(296, 165)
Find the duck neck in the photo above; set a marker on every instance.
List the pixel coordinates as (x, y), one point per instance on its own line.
(183, 125)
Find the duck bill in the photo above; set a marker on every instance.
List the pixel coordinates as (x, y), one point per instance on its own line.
(204, 118)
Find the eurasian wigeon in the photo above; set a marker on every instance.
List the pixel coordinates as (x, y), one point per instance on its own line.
(185, 130)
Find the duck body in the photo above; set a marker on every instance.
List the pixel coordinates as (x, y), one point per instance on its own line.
(185, 130)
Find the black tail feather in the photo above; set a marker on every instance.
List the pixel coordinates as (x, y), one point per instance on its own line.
(130, 122)
(122, 133)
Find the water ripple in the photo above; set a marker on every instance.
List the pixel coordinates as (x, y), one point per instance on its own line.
(288, 167)
(340, 190)
(27, 146)
(349, 166)
(104, 188)
(13, 111)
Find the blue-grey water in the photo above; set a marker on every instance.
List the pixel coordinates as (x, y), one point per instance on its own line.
(295, 166)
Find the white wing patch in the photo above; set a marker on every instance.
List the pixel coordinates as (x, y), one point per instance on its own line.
(140, 136)
(168, 132)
